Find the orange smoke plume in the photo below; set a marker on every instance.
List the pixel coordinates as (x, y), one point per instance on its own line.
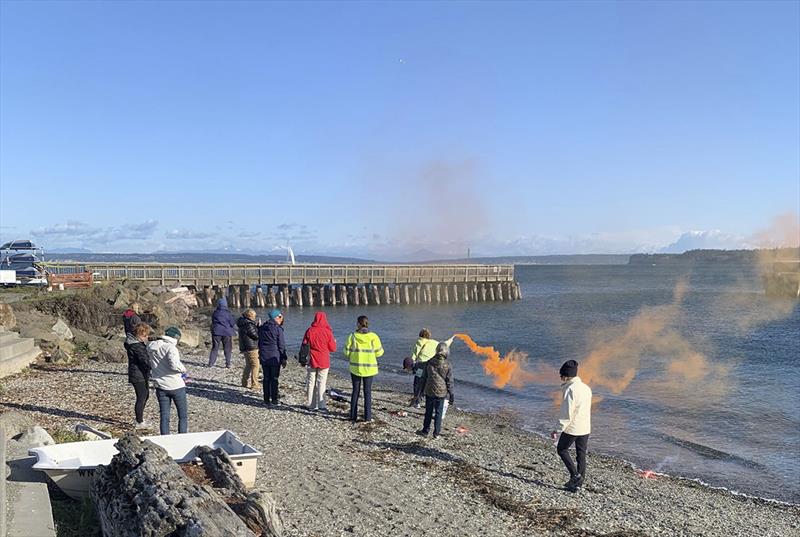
(509, 369)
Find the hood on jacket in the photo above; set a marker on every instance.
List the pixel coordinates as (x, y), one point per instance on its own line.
(131, 339)
(321, 320)
(128, 313)
(222, 303)
(169, 340)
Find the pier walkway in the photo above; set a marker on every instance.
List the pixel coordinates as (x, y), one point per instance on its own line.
(282, 285)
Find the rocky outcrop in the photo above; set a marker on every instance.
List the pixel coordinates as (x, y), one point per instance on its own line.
(7, 318)
(144, 493)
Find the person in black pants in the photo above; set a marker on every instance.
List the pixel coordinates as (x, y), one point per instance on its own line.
(272, 355)
(437, 384)
(575, 423)
(139, 369)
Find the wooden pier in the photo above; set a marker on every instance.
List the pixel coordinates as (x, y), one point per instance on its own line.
(312, 285)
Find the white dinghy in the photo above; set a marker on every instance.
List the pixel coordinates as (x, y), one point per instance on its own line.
(72, 465)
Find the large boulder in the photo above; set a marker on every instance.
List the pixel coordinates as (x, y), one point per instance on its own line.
(15, 422)
(62, 330)
(61, 357)
(190, 337)
(109, 351)
(35, 437)
(7, 318)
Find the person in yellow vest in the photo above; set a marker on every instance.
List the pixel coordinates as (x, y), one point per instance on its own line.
(363, 348)
(424, 350)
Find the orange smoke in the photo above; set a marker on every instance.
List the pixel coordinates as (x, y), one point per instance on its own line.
(509, 369)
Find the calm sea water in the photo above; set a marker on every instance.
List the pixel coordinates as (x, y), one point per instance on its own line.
(741, 432)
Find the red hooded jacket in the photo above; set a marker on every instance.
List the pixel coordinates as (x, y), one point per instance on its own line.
(320, 339)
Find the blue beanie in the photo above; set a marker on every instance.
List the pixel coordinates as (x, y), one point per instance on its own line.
(223, 302)
(274, 314)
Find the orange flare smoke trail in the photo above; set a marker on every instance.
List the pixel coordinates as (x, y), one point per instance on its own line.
(507, 370)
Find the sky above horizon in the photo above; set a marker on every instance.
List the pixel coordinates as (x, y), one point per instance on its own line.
(394, 130)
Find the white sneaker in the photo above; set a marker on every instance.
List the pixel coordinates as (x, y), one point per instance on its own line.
(143, 425)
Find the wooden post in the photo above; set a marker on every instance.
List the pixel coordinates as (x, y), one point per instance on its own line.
(355, 294)
(498, 293)
(321, 298)
(490, 290)
(287, 299)
(396, 290)
(260, 302)
(465, 288)
(343, 294)
(272, 300)
(419, 294)
(429, 293)
(406, 295)
(387, 296)
(365, 295)
(298, 295)
(475, 296)
(437, 293)
(376, 294)
(445, 293)
(309, 292)
(519, 291)
(455, 293)
(244, 296)
(483, 292)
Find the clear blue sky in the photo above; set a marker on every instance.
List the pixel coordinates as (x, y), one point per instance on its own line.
(380, 128)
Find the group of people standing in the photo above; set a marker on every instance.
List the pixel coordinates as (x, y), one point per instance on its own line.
(263, 347)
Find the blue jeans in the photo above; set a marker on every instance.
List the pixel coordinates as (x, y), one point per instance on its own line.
(433, 405)
(165, 397)
(357, 382)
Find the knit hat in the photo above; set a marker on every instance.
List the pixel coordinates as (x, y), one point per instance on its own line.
(443, 349)
(408, 362)
(172, 332)
(222, 302)
(274, 314)
(569, 369)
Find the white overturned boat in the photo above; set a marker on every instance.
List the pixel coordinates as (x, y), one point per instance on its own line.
(72, 465)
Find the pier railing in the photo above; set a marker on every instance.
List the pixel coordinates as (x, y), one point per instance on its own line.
(276, 274)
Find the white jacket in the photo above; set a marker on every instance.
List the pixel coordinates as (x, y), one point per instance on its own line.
(576, 408)
(165, 364)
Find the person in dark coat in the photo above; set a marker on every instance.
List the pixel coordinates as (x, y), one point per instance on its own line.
(223, 328)
(139, 369)
(248, 346)
(438, 382)
(272, 354)
(130, 318)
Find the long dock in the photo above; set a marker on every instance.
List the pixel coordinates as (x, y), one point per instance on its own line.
(278, 285)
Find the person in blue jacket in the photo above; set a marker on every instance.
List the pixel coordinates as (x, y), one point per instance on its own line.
(223, 328)
(272, 355)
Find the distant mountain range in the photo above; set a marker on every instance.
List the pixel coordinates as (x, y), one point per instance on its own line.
(710, 256)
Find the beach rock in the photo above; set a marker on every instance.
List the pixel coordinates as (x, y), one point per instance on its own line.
(66, 346)
(15, 423)
(124, 299)
(62, 330)
(167, 501)
(34, 437)
(190, 338)
(109, 351)
(7, 317)
(60, 357)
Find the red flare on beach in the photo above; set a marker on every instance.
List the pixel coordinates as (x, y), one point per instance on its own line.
(506, 370)
(648, 474)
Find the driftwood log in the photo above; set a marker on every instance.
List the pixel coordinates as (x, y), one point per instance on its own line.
(144, 493)
(255, 507)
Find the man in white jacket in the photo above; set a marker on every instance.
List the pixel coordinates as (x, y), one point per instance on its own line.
(575, 422)
(167, 373)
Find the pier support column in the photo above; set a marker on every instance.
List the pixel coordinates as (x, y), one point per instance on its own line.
(321, 298)
(498, 292)
(446, 293)
(244, 296)
(230, 291)
(272, 300)
(297, 294)
(387, 295)
(483, 292)
(286, 298)
(437, 293)
(465, 292)
(490, 292)
(342, 294)
(406, 297)
(365, 295)
(353, 295)
(260, 302)
(519, 291)
(396, 294)
(455, 293)
(375, 297)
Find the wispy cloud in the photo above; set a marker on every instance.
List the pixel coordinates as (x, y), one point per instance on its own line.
(186, 234)
(75, 230)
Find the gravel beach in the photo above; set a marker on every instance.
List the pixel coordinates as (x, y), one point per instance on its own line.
(332, 478)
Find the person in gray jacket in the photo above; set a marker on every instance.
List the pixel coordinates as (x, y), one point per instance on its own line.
(168, 373)
(438, 382)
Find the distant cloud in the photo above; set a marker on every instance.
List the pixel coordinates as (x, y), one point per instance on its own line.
(293, 232)
(710, 239)
(185, 234)
(249, 234)
(75, 230)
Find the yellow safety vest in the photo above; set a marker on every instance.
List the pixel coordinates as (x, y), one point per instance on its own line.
(363, 351)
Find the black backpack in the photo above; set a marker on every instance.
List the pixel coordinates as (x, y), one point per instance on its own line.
(302, 356)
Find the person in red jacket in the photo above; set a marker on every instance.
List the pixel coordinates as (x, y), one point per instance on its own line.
(319, 338)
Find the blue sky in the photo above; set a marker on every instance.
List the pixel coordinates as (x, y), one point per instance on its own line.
(380, 129)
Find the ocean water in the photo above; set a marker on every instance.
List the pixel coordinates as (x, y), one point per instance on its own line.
(732, 420)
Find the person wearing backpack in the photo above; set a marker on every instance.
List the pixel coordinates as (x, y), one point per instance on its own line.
(362, 349)
(321, 343)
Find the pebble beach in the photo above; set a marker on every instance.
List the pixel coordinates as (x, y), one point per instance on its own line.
(484, 476)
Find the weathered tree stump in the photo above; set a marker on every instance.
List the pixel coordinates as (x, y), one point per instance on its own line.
(144, 493)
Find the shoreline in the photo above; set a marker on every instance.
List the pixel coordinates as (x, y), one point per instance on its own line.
(331, 478)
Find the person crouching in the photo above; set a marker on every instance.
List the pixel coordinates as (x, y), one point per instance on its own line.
(438, 384)
(575, 423)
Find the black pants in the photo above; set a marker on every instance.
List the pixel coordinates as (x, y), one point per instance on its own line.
(581, 442)
(433, 405)
(142, 395)
(418, 387)
(220, 341)
(357, 383)
(271, 374)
